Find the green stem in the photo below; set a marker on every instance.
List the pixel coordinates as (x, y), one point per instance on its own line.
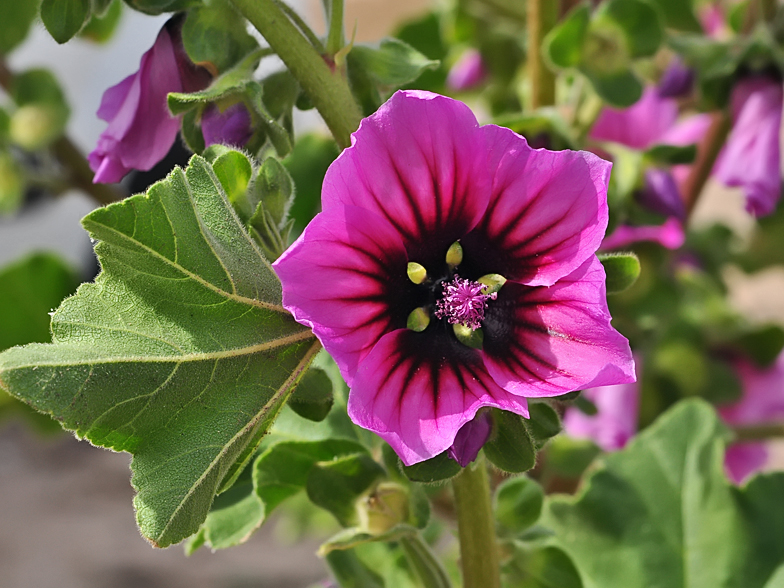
(425, 563)
(759, 432)
(707, 152)
(301, 25)
(335, 39)
(478, 544)
(542, 16)
(324, 84)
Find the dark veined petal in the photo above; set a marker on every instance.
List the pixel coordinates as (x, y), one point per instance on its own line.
(416, 390)
(547, 214)
(546, 341)
(344, 277)
(420, 162)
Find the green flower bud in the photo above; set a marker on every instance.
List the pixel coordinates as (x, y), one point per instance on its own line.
(384, 508)
(34, 126)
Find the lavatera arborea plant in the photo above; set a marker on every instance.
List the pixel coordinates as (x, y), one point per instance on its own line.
(453, 268)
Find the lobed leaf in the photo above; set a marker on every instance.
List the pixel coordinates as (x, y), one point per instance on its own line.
(180, 352)
(661, 513)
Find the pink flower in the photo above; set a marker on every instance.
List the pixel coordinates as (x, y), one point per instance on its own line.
(420, 176)
(470, 439)
(233, 126)
(751, 157)
(615, 421)
(762, 402)
(669, 234)
(141, 131)
(468, 72)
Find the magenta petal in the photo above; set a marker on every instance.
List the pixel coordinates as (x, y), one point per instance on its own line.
(669, 234)
(751, 155)
(420, 162)
(547, 341)
(741, 460)
(547, 213)
(471, 438)
(615, 421)
(342, 278)
(416, 390)
(113, 98)
(639, 126)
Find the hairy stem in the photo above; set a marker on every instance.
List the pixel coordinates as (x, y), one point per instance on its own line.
(707, 152)
(335, 37)
(425, 563)
(77, 171)
(301, 25)
(478, 544)
(325, 85)
(542, 16)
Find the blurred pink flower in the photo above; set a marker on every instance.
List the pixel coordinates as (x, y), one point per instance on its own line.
(141, 130)
(762, 402)
(615, 421)
(421, 175)
(468, 71)
(669, 234)
(751, 158)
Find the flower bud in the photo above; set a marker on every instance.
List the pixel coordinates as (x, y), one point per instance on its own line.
(386, 507)
(34, 126)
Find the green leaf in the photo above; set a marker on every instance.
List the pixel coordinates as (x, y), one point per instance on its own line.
(622, 270)
(216, 34)
(351, 572)
(543, 423)
(661, 512)
(392, 64)
(679, 14)
(234, 81)
(620, 90)
(283, 469)
(436, 469)
(234, 171)
(640, 23)
(64, 18)
(307, 164)
(15, 22)
(29, 290)
(102, 26)
(563, 45)
(353, 537)
(160, 6)
(274, 188)
(535, 566)
(312, 398)
(137, 362)
(518, 504)
(336, 485)
(510, 446)
(571, 457)
(671, 154)
(763, 345)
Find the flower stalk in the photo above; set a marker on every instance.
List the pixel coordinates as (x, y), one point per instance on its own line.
(707, 152)
(478, 544)
(542, 16)
(324, 84)
(759, 432)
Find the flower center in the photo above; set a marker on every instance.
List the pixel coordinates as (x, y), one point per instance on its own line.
(463, 302)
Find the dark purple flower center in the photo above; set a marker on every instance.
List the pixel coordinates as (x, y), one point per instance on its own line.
(463, 302)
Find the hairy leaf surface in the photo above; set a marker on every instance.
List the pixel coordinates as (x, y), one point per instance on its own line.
(180, 352)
